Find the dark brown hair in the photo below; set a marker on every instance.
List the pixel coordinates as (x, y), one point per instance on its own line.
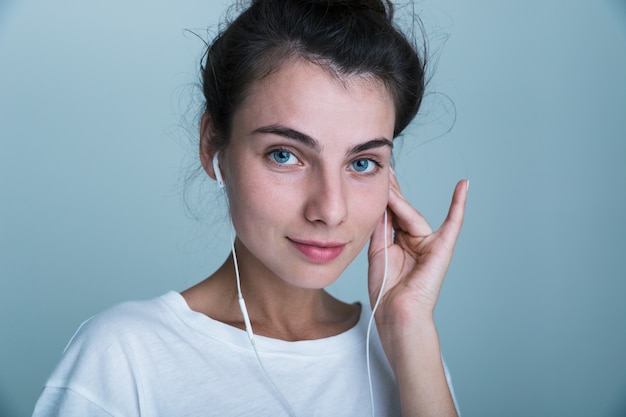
(345, 37)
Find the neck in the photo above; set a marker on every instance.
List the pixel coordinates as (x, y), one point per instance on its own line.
(285, 311)
(276, 309)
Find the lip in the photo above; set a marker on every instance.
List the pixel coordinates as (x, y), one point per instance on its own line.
(319, 252)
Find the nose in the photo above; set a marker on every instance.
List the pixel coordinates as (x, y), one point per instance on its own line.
(327, 199)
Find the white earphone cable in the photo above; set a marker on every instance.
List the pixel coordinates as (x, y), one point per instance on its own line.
(246, 319)
(242, 304)
(369, 326)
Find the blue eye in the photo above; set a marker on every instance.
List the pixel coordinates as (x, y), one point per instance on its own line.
(283, 157)
(363, 165)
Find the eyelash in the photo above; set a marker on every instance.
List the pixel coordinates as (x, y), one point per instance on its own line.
(273, 152)
(374, 171)
(377, 164)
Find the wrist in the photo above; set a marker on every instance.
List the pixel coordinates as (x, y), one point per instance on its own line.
(402, 321)
(402, 340)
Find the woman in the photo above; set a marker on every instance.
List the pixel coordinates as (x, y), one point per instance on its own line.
(303, 102)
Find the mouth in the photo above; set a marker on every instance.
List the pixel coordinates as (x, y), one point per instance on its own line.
(319, 252)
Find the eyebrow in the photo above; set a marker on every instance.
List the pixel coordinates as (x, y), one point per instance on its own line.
(371, 144)
(292, 134)
(309, 142)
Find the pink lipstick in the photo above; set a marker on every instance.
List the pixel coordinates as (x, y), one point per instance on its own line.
(319, 252)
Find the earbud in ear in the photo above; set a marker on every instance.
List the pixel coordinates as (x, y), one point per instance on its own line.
(217, 171)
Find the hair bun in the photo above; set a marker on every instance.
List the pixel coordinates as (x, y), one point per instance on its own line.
(381, 7)
(384, 8)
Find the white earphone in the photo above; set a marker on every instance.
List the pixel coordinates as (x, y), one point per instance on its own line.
(217, 171)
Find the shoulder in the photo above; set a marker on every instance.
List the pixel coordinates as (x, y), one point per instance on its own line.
(116, 334)
(101, 366)
(129, 318)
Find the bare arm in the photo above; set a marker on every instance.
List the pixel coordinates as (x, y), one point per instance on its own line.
(418, 261)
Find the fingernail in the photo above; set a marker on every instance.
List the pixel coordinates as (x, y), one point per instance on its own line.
(468, 182)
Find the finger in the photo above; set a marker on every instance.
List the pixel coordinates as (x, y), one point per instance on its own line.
(406, 217)
(451, 227)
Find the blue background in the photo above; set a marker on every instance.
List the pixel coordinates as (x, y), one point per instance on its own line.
(98, 116)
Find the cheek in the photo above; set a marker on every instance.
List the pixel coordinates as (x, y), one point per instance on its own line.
(371, 208)
(256, 202)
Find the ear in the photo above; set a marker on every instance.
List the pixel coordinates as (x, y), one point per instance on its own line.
(208, 144)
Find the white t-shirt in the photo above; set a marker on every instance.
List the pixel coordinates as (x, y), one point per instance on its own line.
(160, 358)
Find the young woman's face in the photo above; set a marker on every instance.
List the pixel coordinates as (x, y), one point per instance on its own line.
(307, 171)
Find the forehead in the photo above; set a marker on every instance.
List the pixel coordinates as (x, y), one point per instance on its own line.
(303, 73)
(307, 96)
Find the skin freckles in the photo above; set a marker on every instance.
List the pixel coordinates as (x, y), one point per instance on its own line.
(317, 196)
